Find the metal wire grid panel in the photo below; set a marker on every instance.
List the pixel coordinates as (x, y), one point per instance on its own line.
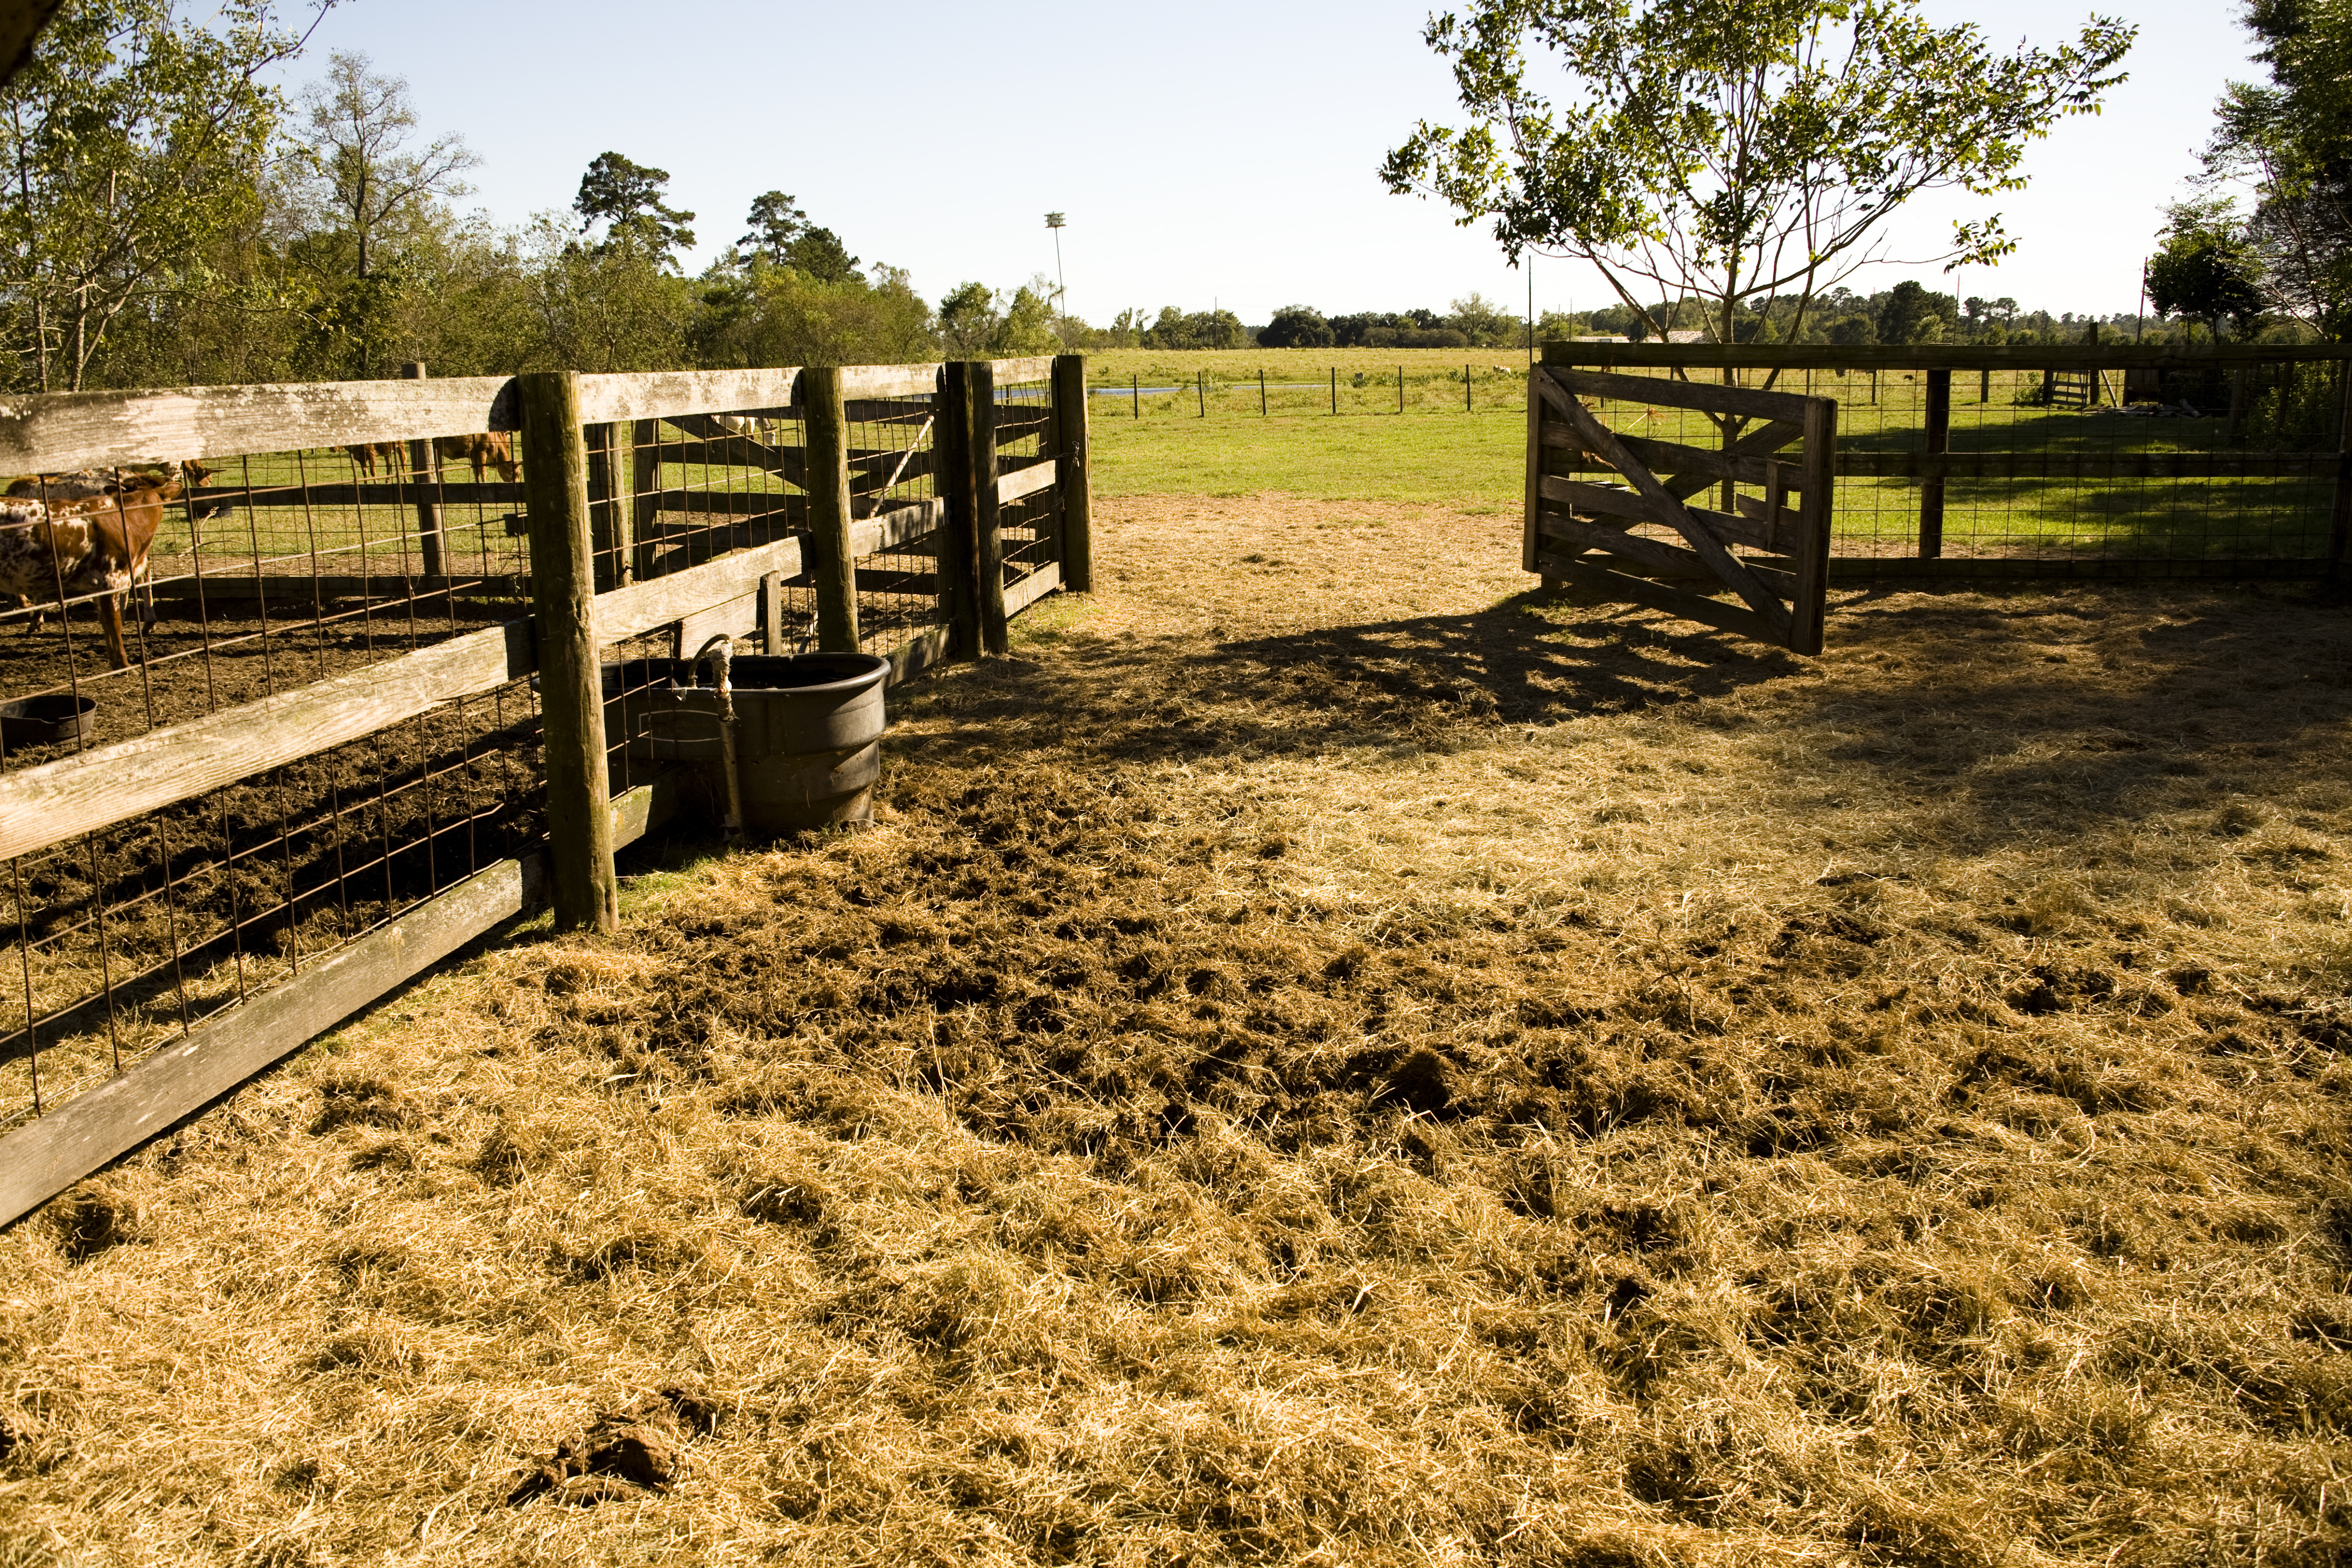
(2082, 433)
(892, 466)
(262, 575)
(1027, 533)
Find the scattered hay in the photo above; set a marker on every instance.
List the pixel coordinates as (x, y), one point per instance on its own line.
(1410, 1074)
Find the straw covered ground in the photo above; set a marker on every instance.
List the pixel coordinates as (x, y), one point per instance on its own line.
(1325, 1058)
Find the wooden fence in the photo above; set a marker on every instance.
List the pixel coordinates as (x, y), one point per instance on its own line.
(2095, 461)
(219, 859)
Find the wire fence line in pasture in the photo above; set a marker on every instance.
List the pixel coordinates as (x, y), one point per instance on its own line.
(1471, 387)
(295, 697)
(2086, 461)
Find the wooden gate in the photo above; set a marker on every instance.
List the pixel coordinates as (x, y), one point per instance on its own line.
(1782, 587)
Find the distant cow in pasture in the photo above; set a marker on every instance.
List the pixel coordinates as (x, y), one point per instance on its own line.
(484, 449)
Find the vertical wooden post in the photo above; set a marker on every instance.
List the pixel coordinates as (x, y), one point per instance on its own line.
(571, 682)
(645, 479)
(2339, 533)
(1334, 389)
(423, 473)
(602, 507)
(1805, 628)
(988, 560)
(1071, 477)
(1400, 389)
(1201, 386)
(825, 424)
(1135, 393)
(1984, 384)
(771, 614)
(1261, 392)
(1931, 488)
(970, 558)
(1465, 390)
(1530, 536)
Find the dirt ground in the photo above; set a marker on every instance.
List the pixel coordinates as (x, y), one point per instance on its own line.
(1326, 1056)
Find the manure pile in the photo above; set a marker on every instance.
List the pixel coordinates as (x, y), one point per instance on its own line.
(1315, 1064)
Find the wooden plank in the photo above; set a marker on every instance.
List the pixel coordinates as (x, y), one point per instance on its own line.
(58, 431)
(725, 503)
(1745, 464)
(1012, 372)
(656, 601)
(57, 801)
(1666, 393)
(1615, 501)
(1023, 483)
(2086, 465)
(1658, 597)
(1673, 560)
(889, 380)
(736, 617)
(666, 395)
(447, 494)
(911, 658)
(896, 527)
(1930, 356)
(1031, 588)
(1667, 507)
(42, 1159)
(564, 598)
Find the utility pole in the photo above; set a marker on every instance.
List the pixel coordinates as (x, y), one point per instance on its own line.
(1057, 221)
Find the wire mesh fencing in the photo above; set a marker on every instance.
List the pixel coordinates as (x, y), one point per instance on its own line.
(185, 596)
(2233, 461)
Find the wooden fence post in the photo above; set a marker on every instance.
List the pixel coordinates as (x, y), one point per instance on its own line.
(1070, 415)
(988, 560)
(2339, 540)
(972, 560)
(1939, 439)
(426, 476)
(571, 682)
(825, 426)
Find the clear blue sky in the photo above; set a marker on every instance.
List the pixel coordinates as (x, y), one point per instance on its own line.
(1219, 152)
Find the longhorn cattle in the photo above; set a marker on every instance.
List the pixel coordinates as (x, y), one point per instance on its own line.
(72, 546)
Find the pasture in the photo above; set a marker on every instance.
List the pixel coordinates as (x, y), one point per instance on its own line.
(1326, 1057)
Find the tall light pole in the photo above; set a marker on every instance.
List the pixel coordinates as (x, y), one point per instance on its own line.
(1057, 221)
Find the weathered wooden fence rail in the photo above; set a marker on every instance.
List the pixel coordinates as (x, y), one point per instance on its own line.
(910, 511)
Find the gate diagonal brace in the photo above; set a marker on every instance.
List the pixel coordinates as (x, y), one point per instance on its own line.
(1667, 509)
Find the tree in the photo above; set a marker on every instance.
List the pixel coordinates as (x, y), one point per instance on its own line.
(2206, 268)
(1296, 327)
(776, 221)
(354, 153)
(352, 169)
(1176, 329)
(1911, 313)
(1485, 323)
(2292, 138)
(134, 141)
(625, 197)
(1728, 149)
(820, 253)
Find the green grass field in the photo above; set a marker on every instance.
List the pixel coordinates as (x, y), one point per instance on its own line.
(1209, 437)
